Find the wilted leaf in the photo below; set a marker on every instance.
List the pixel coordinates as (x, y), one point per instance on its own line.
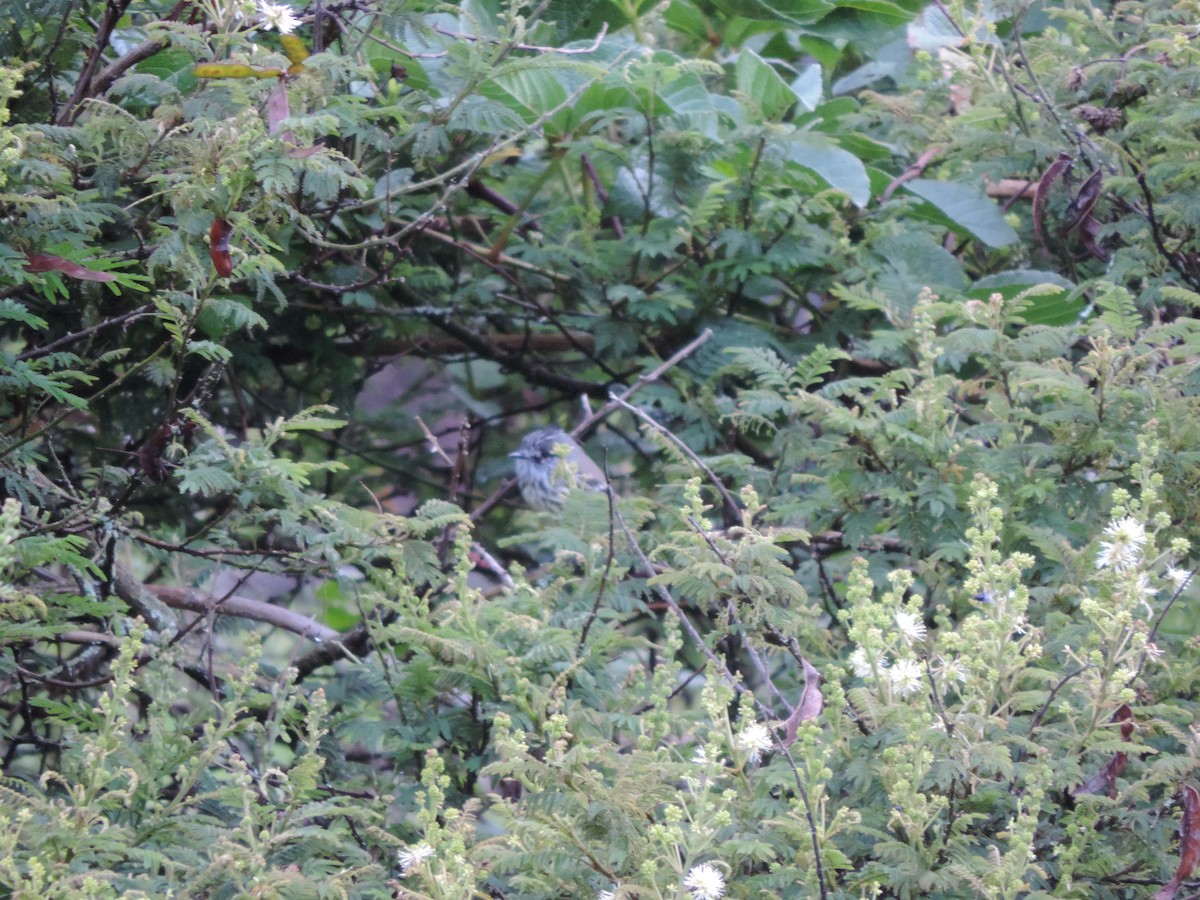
(1124, 715)
(1189, 844)
(1060, 168)
(1105, 781)
(44, 262)
(810, 705)
(1084, 201)
(277, 106)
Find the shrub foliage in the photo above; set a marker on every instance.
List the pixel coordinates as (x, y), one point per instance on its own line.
(882, 317)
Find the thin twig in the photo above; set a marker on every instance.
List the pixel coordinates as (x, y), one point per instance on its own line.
(653, 375)
(732, 507)
(608, 564)
(1173, 259)
(133, 314)
(1158, 620)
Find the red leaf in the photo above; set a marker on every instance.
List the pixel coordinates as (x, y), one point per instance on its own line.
(1105, 780)
(1189, 844)
(1124, 715)
(43, 262)
(218, 246)
(1189, 839)
(277, 106)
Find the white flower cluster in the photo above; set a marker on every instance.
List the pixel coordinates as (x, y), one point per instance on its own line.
(705, 882)
(278, 16)
(904, 677)
(410, 858)
(754, 740)
(1180, 578)
(911, 627)
(1123, 548)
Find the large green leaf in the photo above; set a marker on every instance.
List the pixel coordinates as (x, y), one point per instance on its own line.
(529, 93)
(915, 261)
(1058, 302)
(964, 209)
(839, 168)
(763, 86)
(795, 12)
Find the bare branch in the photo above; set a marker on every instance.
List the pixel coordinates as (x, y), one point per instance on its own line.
(244, 608)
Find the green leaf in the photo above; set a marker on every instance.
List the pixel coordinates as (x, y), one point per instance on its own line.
(964, 209)
(1117, 309)
(530, 93)
(315, 423)
(915, 261)
(763, 86)
(838, 168)
(15, 311)
(1049, 307)
(879, 10)
(172, 66)
(795, 12)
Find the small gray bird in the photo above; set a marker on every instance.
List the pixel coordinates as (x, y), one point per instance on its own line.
(545, 477)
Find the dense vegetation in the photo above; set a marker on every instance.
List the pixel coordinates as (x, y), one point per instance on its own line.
(884, 322)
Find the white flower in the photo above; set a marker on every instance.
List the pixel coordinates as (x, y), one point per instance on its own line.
(952, 669)
(1144, 592)
(1178, 577)
(1123, 549)
(912, 629)
(905, 677)
(411, 857)
(862, 666)
(754, 740)
(705, 881)
(278, 16)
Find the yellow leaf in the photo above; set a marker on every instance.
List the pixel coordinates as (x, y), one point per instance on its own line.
(233, 70)
(295, 50)
(501, 156)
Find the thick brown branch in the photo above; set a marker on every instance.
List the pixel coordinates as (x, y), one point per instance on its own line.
(115, 70)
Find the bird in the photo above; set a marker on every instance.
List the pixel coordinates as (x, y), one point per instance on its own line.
(547, 474)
